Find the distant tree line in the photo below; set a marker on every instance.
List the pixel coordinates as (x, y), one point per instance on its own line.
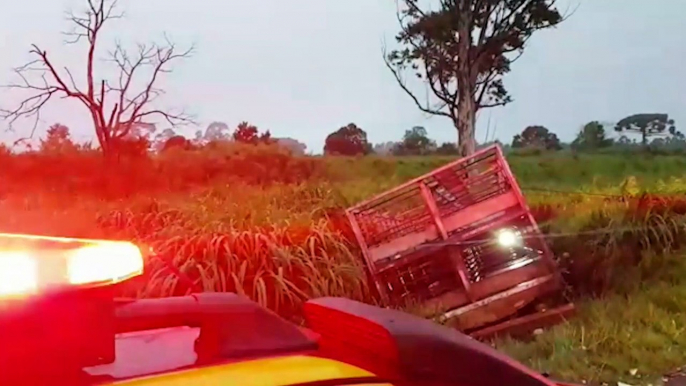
(145, 139)
(651, 132)
(656, 132)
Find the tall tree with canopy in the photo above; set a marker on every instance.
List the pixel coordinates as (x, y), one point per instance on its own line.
(592, 136)
(247, 133)
(461, 51)
(57, 140)
(117, 105)
(648, 125)
(416, 141)
(215, 131)
(348, 140)
(538, 137)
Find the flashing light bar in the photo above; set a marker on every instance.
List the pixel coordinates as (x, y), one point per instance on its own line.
(17, 274)
(31, 264)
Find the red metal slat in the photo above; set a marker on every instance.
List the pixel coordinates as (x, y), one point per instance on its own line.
(373, 200)
(399, 212)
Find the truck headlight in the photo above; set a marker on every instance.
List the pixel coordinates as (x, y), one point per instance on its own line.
(508, 238)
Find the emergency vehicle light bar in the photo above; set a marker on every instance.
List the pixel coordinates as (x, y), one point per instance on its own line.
(33, 264)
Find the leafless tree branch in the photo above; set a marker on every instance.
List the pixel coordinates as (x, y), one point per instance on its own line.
(424, 107)
(440, 89)
(141, 68)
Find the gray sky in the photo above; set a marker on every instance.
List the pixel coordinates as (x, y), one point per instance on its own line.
(303, 68)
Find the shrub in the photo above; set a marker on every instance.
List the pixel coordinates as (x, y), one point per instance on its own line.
(134, 172)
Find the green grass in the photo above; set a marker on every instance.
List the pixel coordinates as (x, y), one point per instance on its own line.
(635, 338)
(358, 178)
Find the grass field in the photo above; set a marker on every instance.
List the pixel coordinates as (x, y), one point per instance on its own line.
(257, 221)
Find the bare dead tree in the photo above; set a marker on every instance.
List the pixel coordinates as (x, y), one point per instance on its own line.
(461, 51)
(115, 106)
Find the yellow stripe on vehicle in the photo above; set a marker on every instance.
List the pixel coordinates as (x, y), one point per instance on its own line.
(279, 371)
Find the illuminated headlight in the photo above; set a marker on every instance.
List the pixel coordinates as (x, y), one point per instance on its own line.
(508, 238)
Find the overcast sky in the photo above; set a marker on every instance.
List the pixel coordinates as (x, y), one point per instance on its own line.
(303, 68)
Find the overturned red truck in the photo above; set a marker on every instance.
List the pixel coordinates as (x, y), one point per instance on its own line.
(461, 243)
